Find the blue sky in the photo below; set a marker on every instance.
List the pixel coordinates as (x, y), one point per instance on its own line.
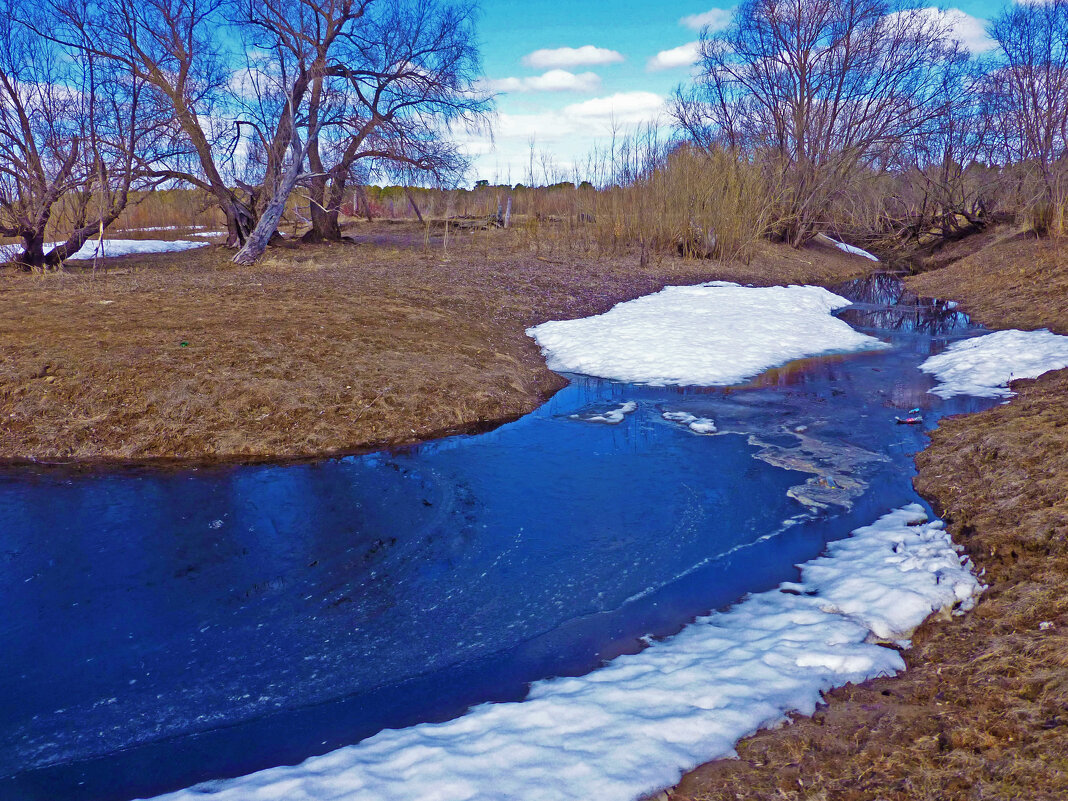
(569, 71)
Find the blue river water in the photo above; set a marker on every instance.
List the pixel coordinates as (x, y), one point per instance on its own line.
(161, 628)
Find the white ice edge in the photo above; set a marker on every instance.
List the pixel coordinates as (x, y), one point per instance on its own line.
(714, 334)
(113, 247)
(634, 725)
(985, 365)
(852, 249)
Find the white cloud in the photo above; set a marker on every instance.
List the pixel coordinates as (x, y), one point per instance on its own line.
(968, 30)
(551, 81)
(587, 55)
(716, 19)
(683, 56)
(625, 108)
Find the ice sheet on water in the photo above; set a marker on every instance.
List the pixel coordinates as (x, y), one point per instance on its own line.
(708, 335)
(984, 366)
(634, 725)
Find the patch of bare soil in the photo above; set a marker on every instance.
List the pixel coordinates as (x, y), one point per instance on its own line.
(982, 711)
(318, 349)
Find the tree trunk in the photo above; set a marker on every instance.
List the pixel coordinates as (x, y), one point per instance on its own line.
(240, 222)
(32, 256)
(268, 223)
(325, 225)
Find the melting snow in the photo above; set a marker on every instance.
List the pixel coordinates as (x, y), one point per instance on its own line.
(634, 725)
(113, 247)
(851, 249)
(714, 334)
(985, 365)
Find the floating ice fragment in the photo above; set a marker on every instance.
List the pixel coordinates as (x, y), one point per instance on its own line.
(698, 425)
(611, 417)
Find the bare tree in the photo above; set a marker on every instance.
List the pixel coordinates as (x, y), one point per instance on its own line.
(1030, 91)
(407, 76)
(72, 134)
(822, 92)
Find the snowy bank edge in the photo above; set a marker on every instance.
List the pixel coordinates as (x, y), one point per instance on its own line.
(113, 248)
(636, 724)
(713, 334)
(984, 366)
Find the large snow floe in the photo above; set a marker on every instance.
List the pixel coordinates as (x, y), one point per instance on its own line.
(634, 725)
(713, 334)
(985, 365)
(113, 247)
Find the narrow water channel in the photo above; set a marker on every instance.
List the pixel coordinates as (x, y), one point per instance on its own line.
(163, 628)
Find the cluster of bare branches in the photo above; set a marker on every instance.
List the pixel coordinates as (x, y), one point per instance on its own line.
(870, 113)
(247, 100)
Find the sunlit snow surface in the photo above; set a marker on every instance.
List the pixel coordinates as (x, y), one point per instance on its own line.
(852, 249)
(636, 724)
(113, 247)
(984, 366)
(714, 334)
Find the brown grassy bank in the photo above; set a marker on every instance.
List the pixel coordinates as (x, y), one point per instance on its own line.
(982, 711)
(317, 349)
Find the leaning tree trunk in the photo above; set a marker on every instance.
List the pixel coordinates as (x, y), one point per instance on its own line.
(267, 225)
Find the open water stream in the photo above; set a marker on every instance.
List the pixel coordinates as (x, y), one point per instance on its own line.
(160, 628)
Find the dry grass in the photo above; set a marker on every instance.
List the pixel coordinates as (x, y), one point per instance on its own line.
(982, 711)
(318, 349)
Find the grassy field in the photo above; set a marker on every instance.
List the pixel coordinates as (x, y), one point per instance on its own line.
(396, 337)
(982, 711)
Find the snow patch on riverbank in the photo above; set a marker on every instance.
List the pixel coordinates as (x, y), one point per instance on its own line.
(714, 334)
(984, 366)
(112, 247)
(636, 724)
(852, 249)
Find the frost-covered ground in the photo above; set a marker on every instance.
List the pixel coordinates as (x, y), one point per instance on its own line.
(636, 724)
(714, 334)
(113, 247)
(985, 365)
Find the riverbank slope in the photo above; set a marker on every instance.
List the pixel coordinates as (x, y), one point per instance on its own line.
(982, 711)
(315, 350)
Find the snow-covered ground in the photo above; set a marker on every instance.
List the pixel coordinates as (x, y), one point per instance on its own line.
(713, 334)
(113, 247)
(636, 724)
(985, 365)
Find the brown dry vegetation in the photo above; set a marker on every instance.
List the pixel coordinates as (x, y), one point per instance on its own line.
(317, 349)
(982, 711)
